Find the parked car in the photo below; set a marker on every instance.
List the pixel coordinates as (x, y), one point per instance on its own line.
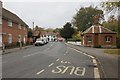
(39, 42)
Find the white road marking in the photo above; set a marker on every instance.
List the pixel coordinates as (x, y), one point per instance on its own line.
(94, 62)
(64, 61)
(27, 56)
(51, 45)
(96, 73)
(79, 71)
(64, 54)
(40, 71)
(30, 55)
(50, 64)
(58, 59)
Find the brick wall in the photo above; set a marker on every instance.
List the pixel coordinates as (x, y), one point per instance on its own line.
(14, 30)
(99, 39)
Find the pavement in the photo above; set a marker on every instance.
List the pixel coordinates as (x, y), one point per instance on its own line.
(6, 51)
(53, 60)
(109, 63)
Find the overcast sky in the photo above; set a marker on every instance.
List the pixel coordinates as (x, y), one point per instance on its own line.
(46, 14)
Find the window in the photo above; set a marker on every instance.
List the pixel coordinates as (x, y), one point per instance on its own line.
(0, 19)
(9, 38)
(89, 38)
(19, 26)
(24, 27)
(107, 38)
(10, 23)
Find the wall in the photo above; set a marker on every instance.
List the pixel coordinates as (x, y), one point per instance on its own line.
(99, 39)
(0, 24)
(14, 30)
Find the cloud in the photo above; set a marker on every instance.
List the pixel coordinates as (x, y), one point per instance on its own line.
(45, 14)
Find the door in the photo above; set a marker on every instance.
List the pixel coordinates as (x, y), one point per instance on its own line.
(0, 40)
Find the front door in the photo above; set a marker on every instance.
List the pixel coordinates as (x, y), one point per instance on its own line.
(0, 40)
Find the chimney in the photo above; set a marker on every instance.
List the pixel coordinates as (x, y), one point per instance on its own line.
(96, 19)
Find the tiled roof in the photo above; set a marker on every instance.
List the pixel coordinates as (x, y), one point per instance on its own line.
(98, 29)
(9, 15)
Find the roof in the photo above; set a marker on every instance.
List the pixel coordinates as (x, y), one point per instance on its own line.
(98, 29)
(9, 15)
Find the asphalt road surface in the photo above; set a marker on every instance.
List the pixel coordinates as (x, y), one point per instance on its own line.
(53, 60)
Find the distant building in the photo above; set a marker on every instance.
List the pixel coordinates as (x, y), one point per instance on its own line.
(98, 35)
(51, 36)
(14, 29)
(42, 34)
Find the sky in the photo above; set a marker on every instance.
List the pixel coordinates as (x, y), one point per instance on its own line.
(46, 14)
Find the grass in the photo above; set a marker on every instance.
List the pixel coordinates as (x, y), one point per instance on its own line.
(112, 51)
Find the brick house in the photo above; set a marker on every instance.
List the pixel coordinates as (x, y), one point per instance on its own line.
(14, 29)
(98, 35)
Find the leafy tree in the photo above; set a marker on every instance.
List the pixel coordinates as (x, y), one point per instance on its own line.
(57, 30)
(30, 33)
(76, 36)
(109, 6)
(85, 17)
(113, 24)
(67, 31)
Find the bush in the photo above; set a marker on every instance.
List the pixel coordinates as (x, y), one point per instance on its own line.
(18, 43)
(118, 42)
(73, 39)
(97, 46)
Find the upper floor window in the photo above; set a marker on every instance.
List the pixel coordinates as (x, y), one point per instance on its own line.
(10, 23)
(0, 19)
(107, 38)
(19, 26)
(24, 28)
(89, 38)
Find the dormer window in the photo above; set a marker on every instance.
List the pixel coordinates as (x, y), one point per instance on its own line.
(10, 23)
(19, 26)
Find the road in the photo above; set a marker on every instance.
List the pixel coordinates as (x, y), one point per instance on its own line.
(53, 60)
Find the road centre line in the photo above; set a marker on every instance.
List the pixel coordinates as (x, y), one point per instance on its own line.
(58, 59)
(50, 64)
(40, 71)
(66, 52)
(30, 55)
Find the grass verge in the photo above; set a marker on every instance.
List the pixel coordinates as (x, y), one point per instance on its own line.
(112, 51)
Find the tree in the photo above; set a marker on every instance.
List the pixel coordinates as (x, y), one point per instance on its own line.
(85, 17)
(113, 24)
(67, 31)
(76, 36)
(30, 33)
(111, 7)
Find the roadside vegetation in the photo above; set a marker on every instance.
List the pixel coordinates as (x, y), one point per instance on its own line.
(112, 51)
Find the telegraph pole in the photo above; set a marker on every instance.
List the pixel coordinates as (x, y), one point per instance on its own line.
(33, 33)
